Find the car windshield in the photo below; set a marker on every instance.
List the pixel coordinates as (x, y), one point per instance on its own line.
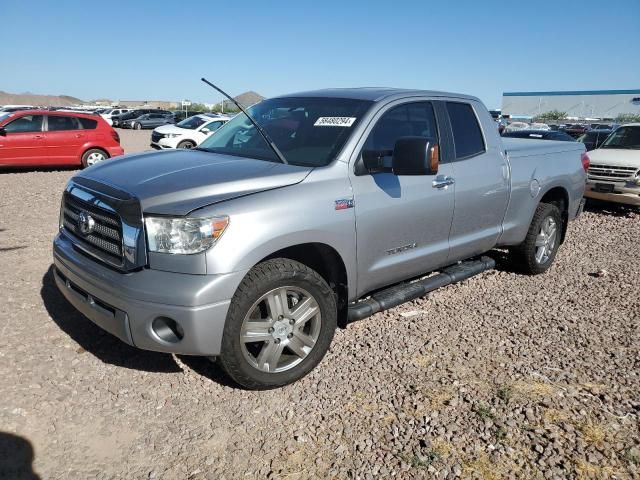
(4, 115)
(191, 123)
(624, 137)
(308, 131)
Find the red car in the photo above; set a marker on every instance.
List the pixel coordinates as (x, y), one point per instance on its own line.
(30, 138)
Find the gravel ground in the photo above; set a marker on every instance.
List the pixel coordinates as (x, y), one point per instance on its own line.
(502, 376)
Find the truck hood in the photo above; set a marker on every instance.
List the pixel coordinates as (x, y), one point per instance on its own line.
(176, 182)
(615, 157)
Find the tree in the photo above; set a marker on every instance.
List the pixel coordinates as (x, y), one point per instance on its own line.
(627, 118)
(553, 115)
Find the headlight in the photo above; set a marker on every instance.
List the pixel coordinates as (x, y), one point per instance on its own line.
(172, 135)
(184, 235)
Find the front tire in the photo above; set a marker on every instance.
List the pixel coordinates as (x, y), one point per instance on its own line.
(188, 144)
(538, 251)
(279, 326)
(137, 126)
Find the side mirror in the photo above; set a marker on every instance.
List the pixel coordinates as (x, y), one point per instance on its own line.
(3, 132)
(415, 156)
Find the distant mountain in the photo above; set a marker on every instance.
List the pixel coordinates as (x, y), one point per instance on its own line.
(245, 99)
(28, 98)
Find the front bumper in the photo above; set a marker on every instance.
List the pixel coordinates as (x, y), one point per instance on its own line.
(165, 143)
(623, 192)
(126, 304)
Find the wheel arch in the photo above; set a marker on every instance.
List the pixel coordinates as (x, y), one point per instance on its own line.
(325, 260)
(559, 196)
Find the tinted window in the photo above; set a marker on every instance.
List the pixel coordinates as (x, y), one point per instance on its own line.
(467, 136)
(411, 120)
(191, 123)
(308, 131)
(213, 126)
(87, 123)
(28, 123)
(57, 123)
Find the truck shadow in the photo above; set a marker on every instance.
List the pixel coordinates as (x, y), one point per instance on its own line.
(16, 458)
(610, 208)
(93, 339)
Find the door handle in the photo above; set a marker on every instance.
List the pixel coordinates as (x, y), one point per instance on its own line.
(37, 136)
(79, 135)
(442, 182)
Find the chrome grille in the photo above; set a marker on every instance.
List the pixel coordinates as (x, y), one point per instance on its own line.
(608, 172)
(106, 235)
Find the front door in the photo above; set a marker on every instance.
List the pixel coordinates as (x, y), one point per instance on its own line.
(23, 143)
(402, 222)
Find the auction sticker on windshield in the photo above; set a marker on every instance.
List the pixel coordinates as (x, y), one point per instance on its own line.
(334, 122)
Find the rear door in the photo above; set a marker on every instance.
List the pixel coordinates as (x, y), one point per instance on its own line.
(23, 143)
(403, 222)
(64, 139)
(481, 176)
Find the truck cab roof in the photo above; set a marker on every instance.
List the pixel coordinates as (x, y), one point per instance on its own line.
(376, 94)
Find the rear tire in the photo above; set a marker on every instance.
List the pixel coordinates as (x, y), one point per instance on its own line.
(538, 251)
(268, 343)
(188, 144)
(93, 156)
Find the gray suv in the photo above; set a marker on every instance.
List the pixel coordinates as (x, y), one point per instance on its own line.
(255, 245)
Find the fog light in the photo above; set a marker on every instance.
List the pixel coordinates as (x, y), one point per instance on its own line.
(167, 329)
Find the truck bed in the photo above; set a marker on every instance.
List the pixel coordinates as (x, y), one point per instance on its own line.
(525, 147)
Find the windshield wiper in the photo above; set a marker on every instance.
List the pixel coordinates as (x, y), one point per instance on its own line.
(255, 124)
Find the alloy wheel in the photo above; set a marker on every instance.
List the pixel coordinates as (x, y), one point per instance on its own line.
(280, 329)
(546, 240)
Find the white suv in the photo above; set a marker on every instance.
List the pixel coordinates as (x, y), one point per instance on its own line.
(113, 112)
(614, 172)
(188, 133)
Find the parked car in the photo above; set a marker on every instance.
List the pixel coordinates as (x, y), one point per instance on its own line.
(592, 139)
(614, 174)
(15, 108)
(513, 126)
(113, 112)
(575, 130)
(252, 250)
(148, 120)
(41, 137)
(180, 115)
(539, 126)
(540, 135)
(135, 113)
(186, 134)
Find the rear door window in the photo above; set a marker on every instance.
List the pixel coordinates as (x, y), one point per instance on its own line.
(28, 123)
(467, 135)
(58, 123)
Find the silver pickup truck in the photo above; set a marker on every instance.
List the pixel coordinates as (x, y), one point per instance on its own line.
(253, 248)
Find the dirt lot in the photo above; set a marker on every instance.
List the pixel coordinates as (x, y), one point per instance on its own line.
(503, 376)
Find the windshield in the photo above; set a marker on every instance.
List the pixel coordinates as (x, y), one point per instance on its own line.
(4, 115)
(624, 137)
(191, 123)
(307, 131)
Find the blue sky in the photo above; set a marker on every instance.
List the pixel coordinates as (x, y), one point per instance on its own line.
(147, 50)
